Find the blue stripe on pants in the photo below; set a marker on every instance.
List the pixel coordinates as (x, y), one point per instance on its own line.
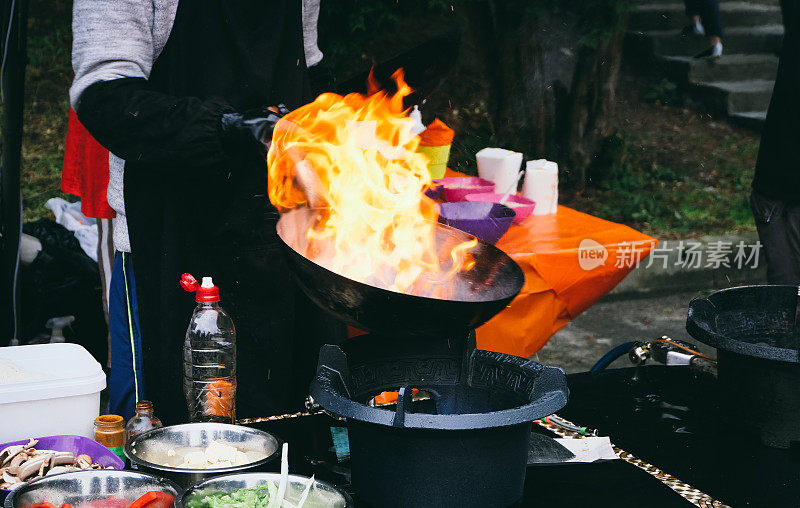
(126, 382)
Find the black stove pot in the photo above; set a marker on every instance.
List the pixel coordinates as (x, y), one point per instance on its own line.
(457, 434)
(752, 328)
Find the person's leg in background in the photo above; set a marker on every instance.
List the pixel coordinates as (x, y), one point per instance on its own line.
(125, 349)
(778, 226)
(105, 264)
(706, 20)
(693, 12)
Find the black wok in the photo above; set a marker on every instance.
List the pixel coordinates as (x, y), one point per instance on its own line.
(474, 296)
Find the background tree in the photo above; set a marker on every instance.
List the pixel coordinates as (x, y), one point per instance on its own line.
(534, 76)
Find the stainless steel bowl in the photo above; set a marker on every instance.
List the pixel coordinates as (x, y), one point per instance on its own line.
(323, 495)
(81, 487)
(149, 451)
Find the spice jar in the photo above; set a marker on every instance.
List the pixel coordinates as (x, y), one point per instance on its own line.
(142, 421)
(109, 431)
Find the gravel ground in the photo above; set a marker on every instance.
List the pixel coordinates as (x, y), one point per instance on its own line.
(582, 342)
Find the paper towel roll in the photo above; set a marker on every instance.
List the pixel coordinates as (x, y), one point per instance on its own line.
(499, 166)
(541, 186)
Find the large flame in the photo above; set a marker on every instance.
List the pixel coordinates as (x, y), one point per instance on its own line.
(379, 228)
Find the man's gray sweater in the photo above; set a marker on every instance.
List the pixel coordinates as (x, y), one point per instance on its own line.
(113, 39)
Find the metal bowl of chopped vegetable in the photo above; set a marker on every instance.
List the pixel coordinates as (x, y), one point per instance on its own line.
(263, 490)
(193, 452)
(100, 488)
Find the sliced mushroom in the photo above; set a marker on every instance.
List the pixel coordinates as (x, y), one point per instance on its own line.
(48, 462)
(9, 452)
(13, 466)
(83, 461)
(62, 458)
(31, 444)
(61, 469)
(35, 452)
(9, 478)
(31, 466)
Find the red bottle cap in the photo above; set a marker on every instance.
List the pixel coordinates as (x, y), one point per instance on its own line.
(205, 292)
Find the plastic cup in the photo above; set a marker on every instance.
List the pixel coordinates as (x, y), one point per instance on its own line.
(438, 156)
(499, 166)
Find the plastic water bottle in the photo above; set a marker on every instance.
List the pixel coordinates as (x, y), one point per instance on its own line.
(209, 356)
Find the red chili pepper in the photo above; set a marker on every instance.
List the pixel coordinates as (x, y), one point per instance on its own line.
(154, 500)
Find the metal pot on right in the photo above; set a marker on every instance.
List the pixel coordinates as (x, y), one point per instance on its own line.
(753, 329)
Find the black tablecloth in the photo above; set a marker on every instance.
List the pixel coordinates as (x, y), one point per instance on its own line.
(664, 415)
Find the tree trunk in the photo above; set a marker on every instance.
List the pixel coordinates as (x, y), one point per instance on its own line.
(513, 65)
(530, 111)
(591, 106)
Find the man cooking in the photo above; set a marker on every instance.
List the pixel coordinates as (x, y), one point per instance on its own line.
(185, 94)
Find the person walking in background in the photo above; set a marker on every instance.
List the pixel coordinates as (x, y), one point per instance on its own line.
(775, 200)
(705, 21)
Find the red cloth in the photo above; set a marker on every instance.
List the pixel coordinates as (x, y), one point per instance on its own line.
(85, 171)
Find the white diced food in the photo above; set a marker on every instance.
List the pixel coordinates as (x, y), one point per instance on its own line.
(221, 454)
(241, 458)
(196, 460)
(217, 454)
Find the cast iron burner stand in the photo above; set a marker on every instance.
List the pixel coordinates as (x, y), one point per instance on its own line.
(463, 444)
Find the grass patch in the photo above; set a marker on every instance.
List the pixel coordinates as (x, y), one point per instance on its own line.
(671, 171)
(47, 79)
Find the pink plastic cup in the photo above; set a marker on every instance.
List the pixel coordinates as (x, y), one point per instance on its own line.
(456, 188)
(522, 205)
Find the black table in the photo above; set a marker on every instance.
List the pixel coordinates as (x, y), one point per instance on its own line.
(663, 415)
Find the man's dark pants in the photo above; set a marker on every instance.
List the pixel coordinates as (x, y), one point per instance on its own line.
(778, 225)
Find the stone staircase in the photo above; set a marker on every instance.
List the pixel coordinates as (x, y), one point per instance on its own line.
(739, 84)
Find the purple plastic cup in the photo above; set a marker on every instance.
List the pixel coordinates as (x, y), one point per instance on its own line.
(486, 221)
(435, 192)
(521, 205)
(75, 444)
(456, 188)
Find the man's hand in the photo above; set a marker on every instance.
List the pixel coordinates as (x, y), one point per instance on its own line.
(306, 179)
(251, 130)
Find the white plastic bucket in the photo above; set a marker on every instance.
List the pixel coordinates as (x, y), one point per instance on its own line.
(62, 398)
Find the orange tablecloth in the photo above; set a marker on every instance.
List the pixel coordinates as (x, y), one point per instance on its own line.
(557, 288)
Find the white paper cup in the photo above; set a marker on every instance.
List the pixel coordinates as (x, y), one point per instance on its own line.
(541, 185)
(499, 166)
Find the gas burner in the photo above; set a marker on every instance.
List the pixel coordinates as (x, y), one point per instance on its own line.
(450, 425)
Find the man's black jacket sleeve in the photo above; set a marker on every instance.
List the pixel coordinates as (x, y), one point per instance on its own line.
(138, 124)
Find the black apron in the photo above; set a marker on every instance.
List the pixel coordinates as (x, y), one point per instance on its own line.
(217, 221)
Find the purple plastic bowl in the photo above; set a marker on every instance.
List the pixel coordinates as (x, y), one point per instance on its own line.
(456, 188)
(435, 192)
(487, 221)
(523, 206)
(75, 444)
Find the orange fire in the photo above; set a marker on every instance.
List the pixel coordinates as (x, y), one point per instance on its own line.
(377, 226)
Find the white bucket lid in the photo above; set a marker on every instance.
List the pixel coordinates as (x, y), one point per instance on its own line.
(58, 370)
